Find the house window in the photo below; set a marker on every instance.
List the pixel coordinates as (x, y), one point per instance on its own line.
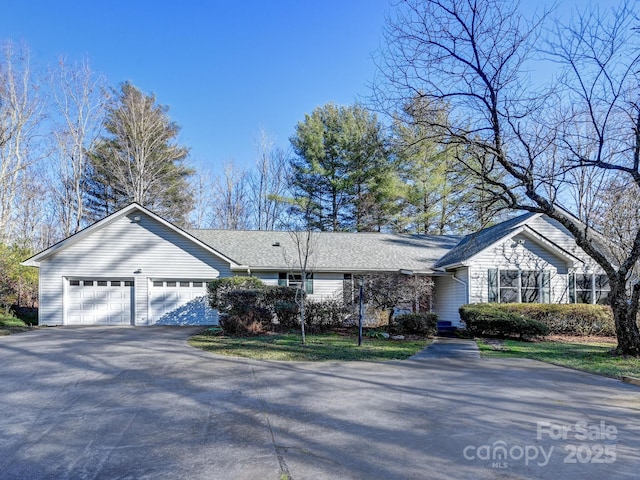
(588, 288)
(158, 283)
(508, 286)
(74, 283)
(519, 286)
(295, 281)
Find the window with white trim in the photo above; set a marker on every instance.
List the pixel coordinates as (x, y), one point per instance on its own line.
(295, 280)
(519, 286)
(588, 288)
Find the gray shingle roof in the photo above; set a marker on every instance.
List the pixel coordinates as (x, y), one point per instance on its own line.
(334, 251)
(476, 242)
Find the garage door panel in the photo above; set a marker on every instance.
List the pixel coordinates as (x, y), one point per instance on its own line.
(180, 302)
(99, 302)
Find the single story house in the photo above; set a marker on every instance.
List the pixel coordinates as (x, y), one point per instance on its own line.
(135, 268)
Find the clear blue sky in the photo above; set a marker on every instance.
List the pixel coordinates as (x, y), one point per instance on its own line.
(226, 68)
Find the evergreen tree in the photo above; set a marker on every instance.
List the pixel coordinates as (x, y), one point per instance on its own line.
(138, 160)
(342, 171)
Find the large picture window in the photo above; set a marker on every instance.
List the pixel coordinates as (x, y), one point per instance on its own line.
(519, 286)
(588, 288)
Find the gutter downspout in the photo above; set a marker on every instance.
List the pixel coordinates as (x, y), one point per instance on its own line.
(466, 287)
(466, 292)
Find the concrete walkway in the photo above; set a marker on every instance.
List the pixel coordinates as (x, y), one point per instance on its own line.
(445, 347)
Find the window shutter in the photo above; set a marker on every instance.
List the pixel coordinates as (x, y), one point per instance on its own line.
(493, 285)
(546, 287)
(572, 288)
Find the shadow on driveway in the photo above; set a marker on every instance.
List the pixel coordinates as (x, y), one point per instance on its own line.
(123, 402)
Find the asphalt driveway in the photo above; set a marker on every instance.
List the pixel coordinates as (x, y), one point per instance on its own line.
(139, 403)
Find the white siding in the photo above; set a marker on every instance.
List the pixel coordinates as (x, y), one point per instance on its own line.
(530, 255)
(125, 249)
(558, 234)
(327, 286)
(449, 295)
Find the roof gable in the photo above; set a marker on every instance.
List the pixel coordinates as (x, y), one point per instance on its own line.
(473, 244)
(130, 211)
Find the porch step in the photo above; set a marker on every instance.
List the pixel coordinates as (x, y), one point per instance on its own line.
(445, 329)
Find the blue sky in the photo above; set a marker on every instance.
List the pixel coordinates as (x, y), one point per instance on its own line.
(226, 68)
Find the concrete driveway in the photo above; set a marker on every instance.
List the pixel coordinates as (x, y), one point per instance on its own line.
(139, 403)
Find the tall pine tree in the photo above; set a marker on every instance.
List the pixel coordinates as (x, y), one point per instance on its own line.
(138, 160)
(342, 173)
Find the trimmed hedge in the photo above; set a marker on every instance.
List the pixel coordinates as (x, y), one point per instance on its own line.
(420, 323)
(569, 318)
(490, 319)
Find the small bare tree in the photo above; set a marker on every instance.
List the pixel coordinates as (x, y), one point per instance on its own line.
(230, 204)
(300, 262)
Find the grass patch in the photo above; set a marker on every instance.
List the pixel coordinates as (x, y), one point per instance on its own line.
(10, 324)
(319, 348)
(593, 357)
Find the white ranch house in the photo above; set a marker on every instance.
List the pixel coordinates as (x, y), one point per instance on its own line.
(135, 268)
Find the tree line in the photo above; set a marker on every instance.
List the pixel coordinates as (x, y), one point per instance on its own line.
(74, 150)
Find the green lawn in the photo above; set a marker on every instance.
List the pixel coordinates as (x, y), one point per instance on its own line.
(319, 348)
(10, 324)
(589, 357)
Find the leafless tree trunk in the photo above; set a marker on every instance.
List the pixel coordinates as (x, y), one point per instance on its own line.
(476, 56)
(203, 192)
(268, 184)
(20, 113)
(230, 207)
(300, 263)
(79, 101)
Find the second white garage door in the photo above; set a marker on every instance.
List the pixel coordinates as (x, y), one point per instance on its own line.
(181, 302)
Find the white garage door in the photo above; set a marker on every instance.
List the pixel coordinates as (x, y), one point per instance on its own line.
(99, 302)
(180, 302)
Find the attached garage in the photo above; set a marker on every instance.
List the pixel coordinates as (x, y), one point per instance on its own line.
(131, 268)
(93, 301)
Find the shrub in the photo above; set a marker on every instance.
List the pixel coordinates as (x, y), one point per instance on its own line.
(421, 323)
(490, 319)
(246, 325)
(568, 318)
(218, 287)
(322, 316)
(248, 307)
